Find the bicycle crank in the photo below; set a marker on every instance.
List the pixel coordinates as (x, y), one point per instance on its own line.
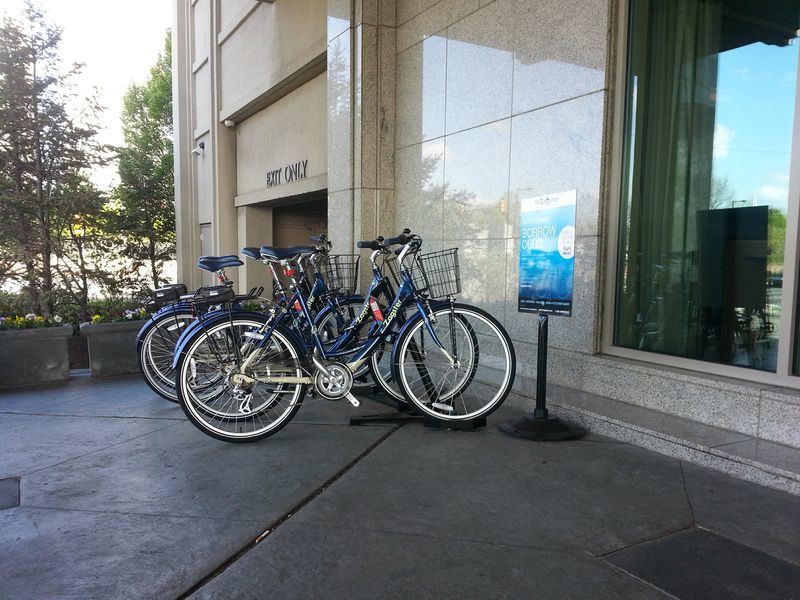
(333, 381)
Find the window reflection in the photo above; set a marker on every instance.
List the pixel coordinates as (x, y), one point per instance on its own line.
(709, 121)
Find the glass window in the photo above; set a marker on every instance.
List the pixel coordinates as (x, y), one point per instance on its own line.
(709, 116)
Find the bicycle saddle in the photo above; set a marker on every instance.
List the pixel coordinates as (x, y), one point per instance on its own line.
(215, 263)
(252, 252)
(217, 257)
(271, 252)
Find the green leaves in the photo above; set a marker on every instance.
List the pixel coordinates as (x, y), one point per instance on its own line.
(145, 194)
(45, 156)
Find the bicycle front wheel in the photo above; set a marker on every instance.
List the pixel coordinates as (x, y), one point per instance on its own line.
(468, 376)
(218, 407)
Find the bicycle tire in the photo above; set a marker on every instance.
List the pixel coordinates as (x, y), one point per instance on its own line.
(380, 362)
(210, 402)
(381, 359)
(155, 348)
(474, 387)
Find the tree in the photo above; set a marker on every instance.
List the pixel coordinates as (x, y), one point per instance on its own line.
(777, 238)
(146, 191)
(87, 259)
(44, 153)
(723, 193)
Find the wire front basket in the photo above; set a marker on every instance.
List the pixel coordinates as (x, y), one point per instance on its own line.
(437, 273)
(340, 272)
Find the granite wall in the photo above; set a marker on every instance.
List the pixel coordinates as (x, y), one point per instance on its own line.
(443, 114)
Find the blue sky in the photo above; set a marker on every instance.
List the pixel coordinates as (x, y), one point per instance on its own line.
(754, 118)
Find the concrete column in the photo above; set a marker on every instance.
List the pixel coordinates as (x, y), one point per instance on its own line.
(186, 232)
(361, 117)
(223, 153)
(254, 223)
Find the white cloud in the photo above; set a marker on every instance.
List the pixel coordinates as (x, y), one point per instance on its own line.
(772, 192)
(434, 148)
(723, 137)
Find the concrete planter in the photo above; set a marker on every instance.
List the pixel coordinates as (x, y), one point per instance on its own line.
(112, 347)
(34, 356)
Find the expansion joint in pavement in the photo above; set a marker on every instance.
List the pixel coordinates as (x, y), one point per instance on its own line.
(686, 492)
(660, 536)
(286, 516)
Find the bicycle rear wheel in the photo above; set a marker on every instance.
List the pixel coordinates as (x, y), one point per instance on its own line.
(472, 386)
(220, 409)
(155, 350)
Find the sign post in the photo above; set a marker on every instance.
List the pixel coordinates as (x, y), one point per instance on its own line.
(546, 270)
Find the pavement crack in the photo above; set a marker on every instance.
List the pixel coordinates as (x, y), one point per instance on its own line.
(686, 491)
(85, 416)
(95, 451)
(567, 550)
(641, 580)
(134, 513)
(286, 516)
(653, 538)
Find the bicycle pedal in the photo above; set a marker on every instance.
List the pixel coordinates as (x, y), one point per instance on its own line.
(440, 406)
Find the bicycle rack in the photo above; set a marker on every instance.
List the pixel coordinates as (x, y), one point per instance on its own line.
(405, 414)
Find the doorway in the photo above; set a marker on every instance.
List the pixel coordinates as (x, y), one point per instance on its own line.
(292, 225)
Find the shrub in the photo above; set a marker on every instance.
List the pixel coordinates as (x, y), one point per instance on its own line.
(112, 310)
(16, 311)
(12, 303)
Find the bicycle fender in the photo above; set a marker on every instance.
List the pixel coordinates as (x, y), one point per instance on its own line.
(179, 307)
(139, 336)
(174, 307)
(201, 319)
(209, 320)
(409, 323)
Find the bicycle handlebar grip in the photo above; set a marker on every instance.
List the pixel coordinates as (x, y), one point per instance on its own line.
(371, 245)
(400, 239)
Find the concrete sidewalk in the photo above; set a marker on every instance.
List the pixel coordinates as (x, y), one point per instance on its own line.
(118, 496)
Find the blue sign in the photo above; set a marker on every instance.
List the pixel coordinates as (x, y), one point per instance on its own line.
(547, 253)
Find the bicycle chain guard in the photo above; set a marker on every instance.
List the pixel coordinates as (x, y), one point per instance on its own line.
(334, 382)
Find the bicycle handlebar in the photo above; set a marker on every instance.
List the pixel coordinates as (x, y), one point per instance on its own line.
(400, 239)
(403, 238)
(370, 245)
(380, 243)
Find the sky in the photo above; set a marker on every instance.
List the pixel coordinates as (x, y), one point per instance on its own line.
(117, 40)
(754, 120)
